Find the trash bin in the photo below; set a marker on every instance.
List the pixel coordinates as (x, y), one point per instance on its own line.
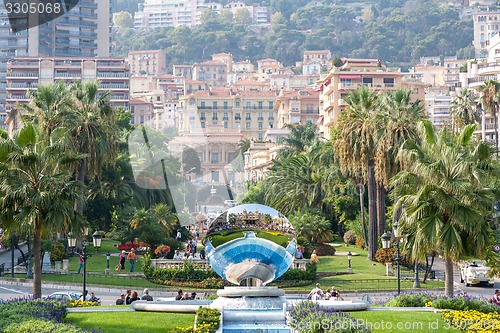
(432, 275)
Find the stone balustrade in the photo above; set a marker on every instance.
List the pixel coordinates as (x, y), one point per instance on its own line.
(204, 265)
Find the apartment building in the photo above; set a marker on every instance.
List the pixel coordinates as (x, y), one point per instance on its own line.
(183, 70)
(251, 112)
(73, 34)
(147, 62)
(28, 73)
(486, 25)
(212, 72)
(258, 158)
(438, 101)
(341, 81)
(168, 13)
(316, 61)
(297, 107)
(142, 111)
(259, 14)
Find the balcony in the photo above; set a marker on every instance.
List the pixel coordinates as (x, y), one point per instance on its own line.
(22, 74)
(73, 75)
(17, 97)
(112, 74)
(22, 85)
(114, 86)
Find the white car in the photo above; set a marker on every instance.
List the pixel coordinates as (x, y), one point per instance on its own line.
(472, 273)
(230, 203)
(64, 296)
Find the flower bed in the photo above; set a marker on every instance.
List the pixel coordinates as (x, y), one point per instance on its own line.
(207, 321)
(472, 321)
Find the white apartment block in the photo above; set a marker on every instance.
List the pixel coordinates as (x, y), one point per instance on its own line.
(437, 105)
(486, 26)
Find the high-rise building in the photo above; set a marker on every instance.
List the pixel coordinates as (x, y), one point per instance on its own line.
(84, 31)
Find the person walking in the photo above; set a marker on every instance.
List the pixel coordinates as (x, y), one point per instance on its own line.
(132, 257)
(178, 236)
(123, 256)
(81, 263)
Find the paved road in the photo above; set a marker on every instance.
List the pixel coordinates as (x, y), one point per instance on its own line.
(6, 256)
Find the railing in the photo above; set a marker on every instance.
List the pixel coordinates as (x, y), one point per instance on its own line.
(179, 264)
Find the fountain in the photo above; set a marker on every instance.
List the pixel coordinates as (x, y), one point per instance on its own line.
(250, 246)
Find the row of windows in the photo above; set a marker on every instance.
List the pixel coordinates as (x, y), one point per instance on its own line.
(226, 106)
(237, 124)
(237, 116)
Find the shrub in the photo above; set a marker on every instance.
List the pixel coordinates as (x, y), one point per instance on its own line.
(209, 317)
(310, 317)
(360, 243)
(20, 310)
(350, 237)
(410, 300)
(42, 326)
(57, 251)
(464, 303)
(321, 250)
(188, 272)
(297, 274)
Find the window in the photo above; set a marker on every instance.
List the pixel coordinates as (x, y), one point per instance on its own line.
(248, 117)
(237, 104)
(202, 116)
(214, 158)
(202, 124)
(271, 105)
(214, 116)
(260, 136)
(260, 116)
(132, 109)
(142, 120)
(225, 106)
(202, 105)
(226, 124)
(247, 125)
(260, 125)
(260, 105)
(271, 125)
(214, 104)
(237, 116)
(215, 176)
(388, 81)
(248, 106)
(158, 98)
(226, 116)
(271, 115)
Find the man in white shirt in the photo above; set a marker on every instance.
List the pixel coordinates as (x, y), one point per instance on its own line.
(315, 291)
(177, 255)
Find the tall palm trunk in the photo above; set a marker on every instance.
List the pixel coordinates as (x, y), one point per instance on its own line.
(80, 176)
(362, 207)
(381, 193)
(483, 125)
(372, 212)
(37, 262)
(448, 278)
(495, 115)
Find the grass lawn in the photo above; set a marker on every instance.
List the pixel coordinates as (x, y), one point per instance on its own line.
(403, 321)
(225, 236)
(131, 322)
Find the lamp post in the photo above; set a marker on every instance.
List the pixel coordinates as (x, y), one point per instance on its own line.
(108, 255)
(97, 237)
(397, 234)
(349, 257)
(496, 207)
(213, 191)
(84, 256)
(184, 173)
(386, 243)
(71, 242)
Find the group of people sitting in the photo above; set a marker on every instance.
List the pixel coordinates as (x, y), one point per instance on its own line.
(185, 296)
(317, 294)
(133, 296)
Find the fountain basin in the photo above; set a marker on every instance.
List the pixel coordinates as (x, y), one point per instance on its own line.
(169, 306)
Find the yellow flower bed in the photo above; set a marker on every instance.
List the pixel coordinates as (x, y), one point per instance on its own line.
(83, 304)
(471, 321)
(202, 328)
(428, 304)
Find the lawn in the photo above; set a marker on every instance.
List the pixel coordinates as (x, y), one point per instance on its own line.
(131, 322)
(403, 321)
(223, 237)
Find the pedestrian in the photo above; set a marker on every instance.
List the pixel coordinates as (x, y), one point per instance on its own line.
(135, 297)
(314, 258)
(202, 254)
(146, 296)
(496, 297)
(121, 300)
(299, 254)
(179, 236)
(85, 296)
(177, 255)
(81, 263)
(129, 296)
(93, 298)
(193, 296)
(180, 293)
(123, 256)
(132, 257)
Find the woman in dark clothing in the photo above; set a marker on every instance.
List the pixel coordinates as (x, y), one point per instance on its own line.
(135, 297)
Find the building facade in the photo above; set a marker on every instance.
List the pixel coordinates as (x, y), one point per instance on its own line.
(147, 62)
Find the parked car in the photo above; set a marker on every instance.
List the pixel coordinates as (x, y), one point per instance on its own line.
(230, 203)
(64, 296)
(212, 213)
(472, 273)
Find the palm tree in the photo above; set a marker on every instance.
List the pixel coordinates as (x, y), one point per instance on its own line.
(489, 98)
(300, 138)
(446, 194)
(35, 187)
(464, 109)
(397, 117)
(354, 144)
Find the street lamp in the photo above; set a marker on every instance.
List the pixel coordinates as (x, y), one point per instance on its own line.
(386, 244)
(71, 241)
(97, 237)
(349, 257)
(184, 184)
(213, 191)
(108, 255)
